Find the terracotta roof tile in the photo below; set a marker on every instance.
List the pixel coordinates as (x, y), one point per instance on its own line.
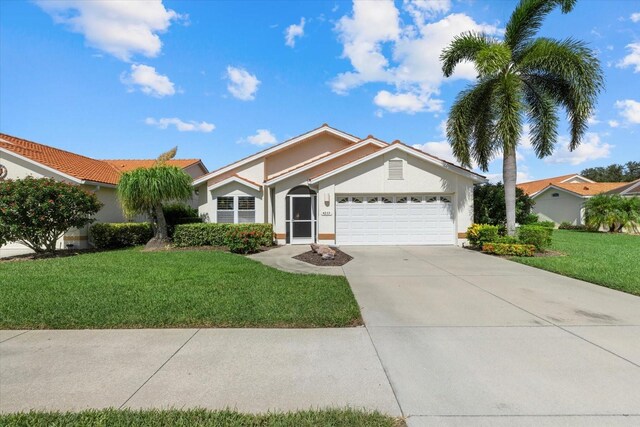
(533, 187)
(80, 167)
(589, 188)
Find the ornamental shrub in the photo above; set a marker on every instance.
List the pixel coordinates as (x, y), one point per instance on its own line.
(547, 224)
(568, 226)
(478, 234)
(508, 249)
(242, 241)
(535, 235)
(489, 205)
(215, 234)
(38, 211)
(120, 235)
(177, 213)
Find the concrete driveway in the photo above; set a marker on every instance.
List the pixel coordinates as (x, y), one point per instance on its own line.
(470, 339)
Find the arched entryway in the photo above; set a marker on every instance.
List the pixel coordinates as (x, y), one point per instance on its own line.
(301, 215)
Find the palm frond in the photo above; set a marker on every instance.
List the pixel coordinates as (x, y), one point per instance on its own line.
(527, 19)
(543, 119)
(464, 47)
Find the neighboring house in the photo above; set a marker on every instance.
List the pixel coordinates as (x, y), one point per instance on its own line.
(561, 199)
(630, 189)
(331, 187)
(21, 158)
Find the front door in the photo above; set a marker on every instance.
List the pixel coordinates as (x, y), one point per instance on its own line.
(302, 219)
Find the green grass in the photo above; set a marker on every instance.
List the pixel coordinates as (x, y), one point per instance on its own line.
(135, 289)
(200, 417)
(610, 260)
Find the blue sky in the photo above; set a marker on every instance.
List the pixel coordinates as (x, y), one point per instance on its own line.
(222, 80)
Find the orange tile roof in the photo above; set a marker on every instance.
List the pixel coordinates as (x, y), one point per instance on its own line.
(589, 188)
(80, 167)
(124, 165)
(533, 187)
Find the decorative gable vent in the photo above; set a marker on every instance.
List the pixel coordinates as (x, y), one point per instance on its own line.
(395, 169)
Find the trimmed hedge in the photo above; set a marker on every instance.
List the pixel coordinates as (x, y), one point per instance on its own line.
(547, 224)
(535, 235)
(478, 234)
(214, 234)
(568, 226)
(508, 249)
(120, 235)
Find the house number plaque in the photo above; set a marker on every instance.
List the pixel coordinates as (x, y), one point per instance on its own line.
(326, 213)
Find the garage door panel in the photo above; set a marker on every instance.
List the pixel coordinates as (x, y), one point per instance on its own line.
(407, 220)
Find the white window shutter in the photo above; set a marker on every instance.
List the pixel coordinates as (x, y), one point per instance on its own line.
(395, 169)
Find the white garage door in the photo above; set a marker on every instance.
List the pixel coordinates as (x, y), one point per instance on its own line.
(395, 220)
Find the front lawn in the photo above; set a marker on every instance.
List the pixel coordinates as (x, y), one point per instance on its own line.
(610, 260)
(200, 417)
(135, 289)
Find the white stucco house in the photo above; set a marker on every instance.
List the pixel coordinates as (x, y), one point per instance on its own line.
(561, 198)
(20, 158)
(331, 187)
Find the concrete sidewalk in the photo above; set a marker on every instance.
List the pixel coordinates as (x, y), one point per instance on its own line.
(252, 370)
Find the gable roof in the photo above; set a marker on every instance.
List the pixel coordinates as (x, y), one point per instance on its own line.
(586, 189)
(325, 128)
(397, 145)
(236, 178)
(632, 188)
(533, 187)
(75, 167)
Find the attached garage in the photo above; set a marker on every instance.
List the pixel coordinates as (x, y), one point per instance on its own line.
(395, 219)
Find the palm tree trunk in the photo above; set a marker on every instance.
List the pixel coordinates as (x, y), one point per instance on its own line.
(509, 174)
(161, 225)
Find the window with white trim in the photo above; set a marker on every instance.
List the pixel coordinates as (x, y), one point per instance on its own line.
(236, 209)
(395, 169)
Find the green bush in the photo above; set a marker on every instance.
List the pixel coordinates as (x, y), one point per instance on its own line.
(568, 226)
(489, 205)
(242, 241)
(478, 234)
(120, 235)
(506, 239)
(535, 235)
(529, 219)
(177, 213)
(547, 224)
(214, 234)
(508, 249)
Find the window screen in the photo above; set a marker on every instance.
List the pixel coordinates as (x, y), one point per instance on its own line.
(225, 210)
(246, 210)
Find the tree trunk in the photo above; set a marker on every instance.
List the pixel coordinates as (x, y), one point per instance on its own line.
(161, 225)
(509, 175)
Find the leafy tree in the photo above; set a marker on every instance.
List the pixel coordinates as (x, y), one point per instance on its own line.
(613, 212)
(38, 211)
(628, 172)
(144, 190)
(519, 77)
(489, 206)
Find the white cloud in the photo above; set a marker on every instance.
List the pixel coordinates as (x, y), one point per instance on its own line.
(242, 84)
(440, 149)
(261, 137)
(614, 123)
(148, 81)
(410, 103)
(635, 17)
(632, 59)
(593, 120)
(630, 110)
(591, 148)
(382, 49)
(422, 10)
(120, 28)
(292, 32)
(181, 126)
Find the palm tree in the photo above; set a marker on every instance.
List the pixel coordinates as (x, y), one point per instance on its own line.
(520, 77)
(144, 190)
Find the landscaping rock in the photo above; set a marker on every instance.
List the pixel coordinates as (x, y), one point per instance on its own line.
(328, 256)
(315, 247)
(322, 250)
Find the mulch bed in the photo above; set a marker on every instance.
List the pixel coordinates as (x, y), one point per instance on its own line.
(315, 259)
(59, 253)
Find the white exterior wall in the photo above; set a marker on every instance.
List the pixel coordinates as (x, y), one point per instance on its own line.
(231, 189)
(566, 207)
(420, 177)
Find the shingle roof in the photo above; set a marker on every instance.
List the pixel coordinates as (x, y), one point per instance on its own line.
(629, 188)
(80, 167)
(533, 187)
(589, 188)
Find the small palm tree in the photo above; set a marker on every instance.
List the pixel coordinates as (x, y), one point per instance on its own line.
(613, 212)
(145, 190)
(519, 77)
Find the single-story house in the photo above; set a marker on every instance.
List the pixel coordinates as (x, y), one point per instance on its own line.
(20, 158)
(332, 187)
(561, 198)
